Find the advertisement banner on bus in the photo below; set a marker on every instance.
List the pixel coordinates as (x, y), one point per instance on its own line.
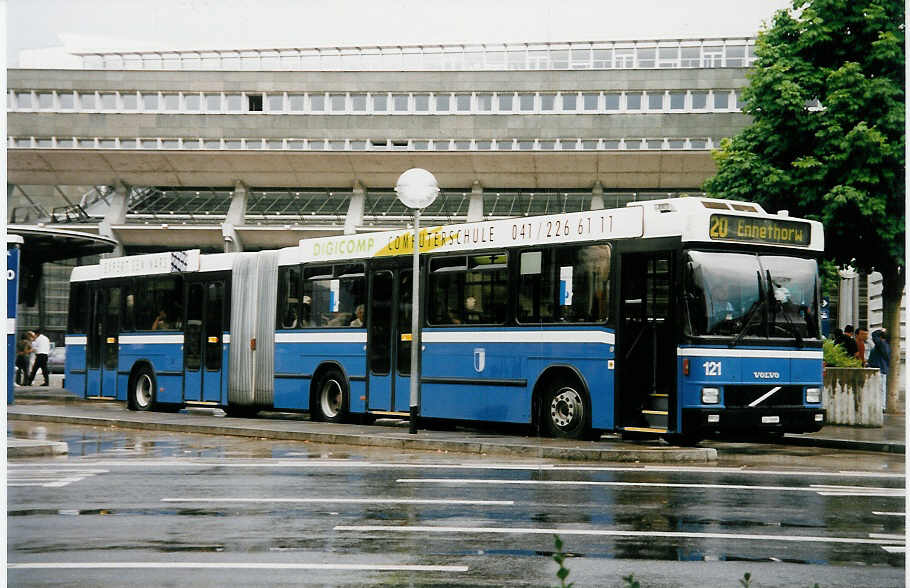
(563, 228)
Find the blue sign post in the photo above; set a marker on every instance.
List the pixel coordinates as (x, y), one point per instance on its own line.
(13, 242)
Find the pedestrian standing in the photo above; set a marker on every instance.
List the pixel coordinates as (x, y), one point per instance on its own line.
(861, 336)
(42, 346)
(848, 342)
(23, 351)
(880, 357)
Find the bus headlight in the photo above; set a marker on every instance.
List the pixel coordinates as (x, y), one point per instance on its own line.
(813, 395)
(710, 395)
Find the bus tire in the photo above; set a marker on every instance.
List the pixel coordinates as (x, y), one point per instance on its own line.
(142, 390)
(329, 402)
(566, 411)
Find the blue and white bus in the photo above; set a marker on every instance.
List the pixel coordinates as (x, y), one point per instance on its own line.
(683, 317)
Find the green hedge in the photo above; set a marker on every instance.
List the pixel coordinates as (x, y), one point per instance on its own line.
(836, 356)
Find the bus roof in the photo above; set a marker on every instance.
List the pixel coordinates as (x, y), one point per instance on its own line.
(690, 219)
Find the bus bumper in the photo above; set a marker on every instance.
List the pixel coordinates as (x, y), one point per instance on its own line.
(705, 421)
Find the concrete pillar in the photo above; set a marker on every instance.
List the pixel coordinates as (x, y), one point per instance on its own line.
(354, 217)
(597, 196)
(848, 298)
(115, 215)
(475, 205)
(236, 215)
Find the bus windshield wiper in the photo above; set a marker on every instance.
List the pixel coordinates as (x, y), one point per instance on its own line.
(792, 327)
(752, 313)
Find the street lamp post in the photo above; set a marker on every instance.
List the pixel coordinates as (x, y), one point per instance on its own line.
(416, 188)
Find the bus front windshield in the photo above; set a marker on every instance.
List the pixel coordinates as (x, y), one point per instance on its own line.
(744, 295)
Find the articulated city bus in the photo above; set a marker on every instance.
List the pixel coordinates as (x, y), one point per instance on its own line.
(683, 317)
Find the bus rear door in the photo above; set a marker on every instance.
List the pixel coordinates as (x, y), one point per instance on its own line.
(389, 339)
(103, 343)
(202, 341)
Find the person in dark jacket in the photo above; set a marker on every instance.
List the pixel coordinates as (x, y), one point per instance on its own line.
(848, 342)
(880, 357)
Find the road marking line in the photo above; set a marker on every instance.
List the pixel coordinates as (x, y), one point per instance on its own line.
(846, 488)
(866, 494)
(895, 537)
(235, 566)
(889, 514)
(64, 482)
(346, 501)
(55, 470)
(895, 548)
(612, 533)
(287, 463)
(469, 481)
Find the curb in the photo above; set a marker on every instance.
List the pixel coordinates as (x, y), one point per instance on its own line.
(875, 446)
(399, 441)
(35, 448)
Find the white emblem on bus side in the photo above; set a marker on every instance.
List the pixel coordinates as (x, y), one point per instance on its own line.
(480, 359)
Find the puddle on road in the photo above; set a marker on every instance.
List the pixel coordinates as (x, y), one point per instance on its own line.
(95, 442)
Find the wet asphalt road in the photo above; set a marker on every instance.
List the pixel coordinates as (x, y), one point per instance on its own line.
(142, 508)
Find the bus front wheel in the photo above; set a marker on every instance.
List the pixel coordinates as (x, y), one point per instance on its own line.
(329, 402)
(142, 392)
(566, 412)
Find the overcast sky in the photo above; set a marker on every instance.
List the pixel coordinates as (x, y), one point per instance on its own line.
(192, 24)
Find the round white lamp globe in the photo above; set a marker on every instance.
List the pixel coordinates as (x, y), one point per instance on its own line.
(417, 188)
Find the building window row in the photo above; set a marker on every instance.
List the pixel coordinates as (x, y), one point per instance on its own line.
(362, 103)
(691, 53)
(244, 144)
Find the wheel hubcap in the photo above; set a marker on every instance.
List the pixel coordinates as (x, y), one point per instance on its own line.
(330, 399)
(144, 390)
(566, 408)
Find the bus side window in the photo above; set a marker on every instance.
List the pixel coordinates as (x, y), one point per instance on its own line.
(584, 283)
(446, 300)
(536, 288)
(288, 299)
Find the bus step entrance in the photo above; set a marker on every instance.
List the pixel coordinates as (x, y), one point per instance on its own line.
(655, 414)
(658, 401)
(655, 418)
(655, 430)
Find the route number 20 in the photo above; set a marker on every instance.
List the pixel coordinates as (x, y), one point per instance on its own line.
(713, 368)
(719, 227)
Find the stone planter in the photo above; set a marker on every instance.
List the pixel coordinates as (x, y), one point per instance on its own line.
(853, 396)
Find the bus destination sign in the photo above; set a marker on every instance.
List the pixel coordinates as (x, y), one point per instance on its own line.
(772, 231)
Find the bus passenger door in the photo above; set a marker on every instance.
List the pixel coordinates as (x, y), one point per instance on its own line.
(381, 340)
(202, 334)
(102, 352)
(214, 331)
(402, 393)
(94, 344)
(646, 353)
(111, 358)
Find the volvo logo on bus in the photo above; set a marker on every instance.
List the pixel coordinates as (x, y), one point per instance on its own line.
(766, 375)
(480, 359)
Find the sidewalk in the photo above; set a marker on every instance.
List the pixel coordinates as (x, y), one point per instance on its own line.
(56, 404)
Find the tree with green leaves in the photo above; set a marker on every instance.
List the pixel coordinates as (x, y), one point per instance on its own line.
(826, 142)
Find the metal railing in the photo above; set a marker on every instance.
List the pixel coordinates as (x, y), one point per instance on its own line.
(641, 54)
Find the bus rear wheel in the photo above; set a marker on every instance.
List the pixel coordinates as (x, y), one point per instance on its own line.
(142, 391)
(329, 401)
(566, 412)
